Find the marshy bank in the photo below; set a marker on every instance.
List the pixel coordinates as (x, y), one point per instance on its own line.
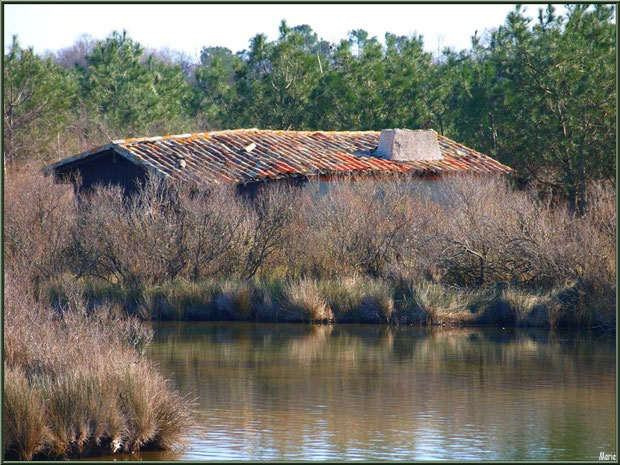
(82, 272)
(469, 250)
(351, 300)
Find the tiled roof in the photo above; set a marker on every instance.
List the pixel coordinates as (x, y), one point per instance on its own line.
(247, 155)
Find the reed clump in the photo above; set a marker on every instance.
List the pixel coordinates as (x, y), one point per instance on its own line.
(235, 300)
(25, 429)
(302, 301)
(77, 382)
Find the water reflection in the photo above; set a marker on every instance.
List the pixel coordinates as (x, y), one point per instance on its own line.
(370, 392)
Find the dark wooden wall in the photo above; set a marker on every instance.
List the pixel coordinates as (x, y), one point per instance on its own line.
(252, 189)
(107, 168)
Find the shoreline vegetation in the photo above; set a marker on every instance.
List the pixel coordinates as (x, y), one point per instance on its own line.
(351, 300)
(83, 273)
(77, 384)
(460, 250)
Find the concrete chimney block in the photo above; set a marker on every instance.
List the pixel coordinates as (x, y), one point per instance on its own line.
(409, 145)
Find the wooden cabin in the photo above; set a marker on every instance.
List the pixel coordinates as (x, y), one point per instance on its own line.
(249, 157)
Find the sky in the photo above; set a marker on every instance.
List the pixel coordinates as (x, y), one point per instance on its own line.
(190, 27)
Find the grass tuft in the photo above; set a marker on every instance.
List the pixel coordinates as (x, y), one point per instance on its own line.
(236, 300)
(77, 383)
(302, 301)
(25, 429)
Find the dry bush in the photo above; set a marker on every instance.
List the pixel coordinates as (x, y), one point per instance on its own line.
(163, 232)
(217, 221)
(39, 220)
(269, 234)
(363, 227)
(137, 240)
(493, 234)
(487, 230)
(602, 210)
(464, 230)
(102, 237)
(175, 230)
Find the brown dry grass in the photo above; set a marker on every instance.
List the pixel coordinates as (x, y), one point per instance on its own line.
(302, 301)
(77, 384)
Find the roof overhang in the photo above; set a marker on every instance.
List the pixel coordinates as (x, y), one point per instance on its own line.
(67, 162)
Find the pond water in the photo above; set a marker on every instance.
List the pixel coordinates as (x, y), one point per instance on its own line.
(345, 392)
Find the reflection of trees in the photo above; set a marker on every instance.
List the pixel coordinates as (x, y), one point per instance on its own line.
(512, 390)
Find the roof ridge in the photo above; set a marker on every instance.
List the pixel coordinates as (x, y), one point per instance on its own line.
(134, 140)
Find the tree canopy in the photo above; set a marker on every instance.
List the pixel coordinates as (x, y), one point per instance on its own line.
(537, 95)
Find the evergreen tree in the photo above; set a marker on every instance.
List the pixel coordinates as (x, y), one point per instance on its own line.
(274, 89)
(215, 92)
(542, 98)
(37, 96)
(131, 92)
(539, 97)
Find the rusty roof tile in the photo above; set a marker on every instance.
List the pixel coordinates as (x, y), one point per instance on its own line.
(221, 156)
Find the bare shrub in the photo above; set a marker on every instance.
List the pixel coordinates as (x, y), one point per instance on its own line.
(39, 220)
(136, 240)
(217, 221)
(602, 210)
(486, 230)
(163, 232)
(466, 231)
(102, 240)
(493, 234)
(360, 227)
(269, 217)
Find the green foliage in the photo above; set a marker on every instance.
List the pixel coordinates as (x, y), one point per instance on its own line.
(215, 92)
(274, 87)
(539, 97)
(542, 98)
(131, 92)
(37, 96)
(373, 87)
